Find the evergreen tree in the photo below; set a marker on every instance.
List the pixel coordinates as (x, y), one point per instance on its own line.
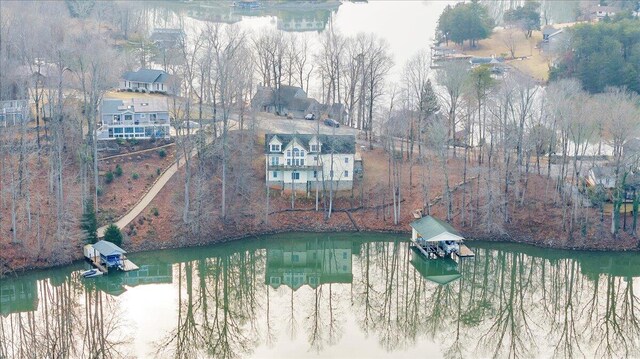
(89, 223)
(113, 234)
(465, 21)
(602, 55)
(430, 103)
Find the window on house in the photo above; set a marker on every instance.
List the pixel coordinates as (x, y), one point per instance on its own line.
(275, 174)
(331, 173)
(346, 173)
(344, 255)
(153, 117)
(275, 161)
(275, 148)
(315, 174)
(295, 258)
(346, 160)
(295, 175)
(315, 158)
(128, 117)
(288, 161)
(296, 153)
(288, 153)
(314, 148)
(116, 118)
(301, 153)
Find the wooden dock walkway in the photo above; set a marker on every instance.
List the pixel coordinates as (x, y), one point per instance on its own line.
(95, 261)
(129, 266)
(465, 252)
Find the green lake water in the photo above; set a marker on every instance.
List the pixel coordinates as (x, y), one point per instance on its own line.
(303, 295)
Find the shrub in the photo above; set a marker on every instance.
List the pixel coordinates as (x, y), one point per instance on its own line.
(135, 176)
(118, 171)
(158, 171)
(113, 234)
(162, 153)
(108, 178)
(121, 141)
(155, 211)
(99, 192)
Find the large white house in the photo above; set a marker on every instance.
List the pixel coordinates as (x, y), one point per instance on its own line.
(141, 118)
(301, 162)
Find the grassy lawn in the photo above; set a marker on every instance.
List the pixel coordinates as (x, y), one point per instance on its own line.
(534, 64)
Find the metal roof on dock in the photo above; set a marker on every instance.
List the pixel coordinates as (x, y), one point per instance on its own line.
(432, 229)
(107, 248)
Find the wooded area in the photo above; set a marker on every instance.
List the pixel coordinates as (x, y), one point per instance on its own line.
(505, 131)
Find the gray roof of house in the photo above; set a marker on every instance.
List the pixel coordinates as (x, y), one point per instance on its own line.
(166, 35)
(632, 145)
(107, 248)
(550, 30)
(146, 75)
(429, 227)
(267, 96)
(330, 143)
(486, 60)
(137, 105)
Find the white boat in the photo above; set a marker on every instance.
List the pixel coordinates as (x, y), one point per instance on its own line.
(91, 273)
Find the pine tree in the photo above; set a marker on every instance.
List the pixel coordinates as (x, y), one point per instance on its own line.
(430, 103)
(113, 234)
(89, 223)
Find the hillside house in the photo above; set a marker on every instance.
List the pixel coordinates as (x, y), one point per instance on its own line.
(141, 118)
(601, 11)
(286, 100)
(605, 177)
(13, 112)
(304, 162)
(148, 80)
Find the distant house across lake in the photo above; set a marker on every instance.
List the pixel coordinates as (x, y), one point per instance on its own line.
(167, 38)
(141, 118)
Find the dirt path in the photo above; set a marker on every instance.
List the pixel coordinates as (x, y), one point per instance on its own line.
(265, 122)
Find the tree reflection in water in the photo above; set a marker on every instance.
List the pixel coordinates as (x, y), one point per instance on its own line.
(69, 322)
(237, 301)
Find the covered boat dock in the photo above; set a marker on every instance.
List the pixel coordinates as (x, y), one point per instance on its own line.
(437, 239)
(105, 255)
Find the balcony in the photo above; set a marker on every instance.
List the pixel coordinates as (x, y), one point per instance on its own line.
(284, 167)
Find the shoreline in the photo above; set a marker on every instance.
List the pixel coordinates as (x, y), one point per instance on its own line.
(176, 244)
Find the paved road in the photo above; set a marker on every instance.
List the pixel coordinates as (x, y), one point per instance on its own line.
(265, 122)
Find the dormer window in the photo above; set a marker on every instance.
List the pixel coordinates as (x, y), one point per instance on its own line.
(275, 148)
(315, 148)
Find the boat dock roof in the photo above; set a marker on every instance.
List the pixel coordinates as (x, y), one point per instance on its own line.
(107, 248)
(435, 230)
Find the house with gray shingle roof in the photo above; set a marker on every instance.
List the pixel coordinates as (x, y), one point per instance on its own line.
(286, 100)
(142, 118)
(304, 162)
(148, 80)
